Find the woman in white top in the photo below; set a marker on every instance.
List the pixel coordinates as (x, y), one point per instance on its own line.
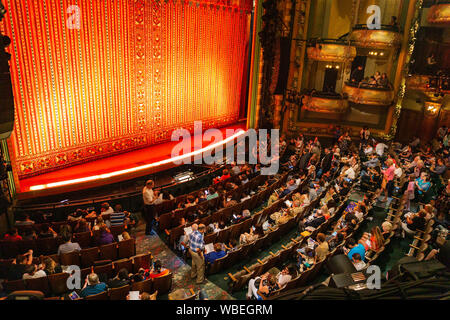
(32, 272)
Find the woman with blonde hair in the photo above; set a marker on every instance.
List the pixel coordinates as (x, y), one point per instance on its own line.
(50, 266)
(387, 228)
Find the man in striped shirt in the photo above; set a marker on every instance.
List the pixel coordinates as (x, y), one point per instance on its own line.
(118, 216)
(196, 248)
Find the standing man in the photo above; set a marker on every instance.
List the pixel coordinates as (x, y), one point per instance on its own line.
(196, 248)
(149, 209)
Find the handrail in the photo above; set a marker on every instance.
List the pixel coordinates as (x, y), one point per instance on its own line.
(384, 27)
(367, 86)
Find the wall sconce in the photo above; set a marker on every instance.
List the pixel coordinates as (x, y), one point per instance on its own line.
(432, 109)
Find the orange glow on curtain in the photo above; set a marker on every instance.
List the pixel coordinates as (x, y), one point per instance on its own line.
(132, 73)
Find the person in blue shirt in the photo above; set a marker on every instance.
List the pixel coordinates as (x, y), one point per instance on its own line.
(216, 254)
(422, 184)
(355, 248)
(92, 286)
(196, 248)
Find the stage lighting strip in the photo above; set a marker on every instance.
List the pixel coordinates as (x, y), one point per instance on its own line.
(135, 169)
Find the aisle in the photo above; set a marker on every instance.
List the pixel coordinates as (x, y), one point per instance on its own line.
(180, 269)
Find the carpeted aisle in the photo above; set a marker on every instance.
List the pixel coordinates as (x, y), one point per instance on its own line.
(181, 270)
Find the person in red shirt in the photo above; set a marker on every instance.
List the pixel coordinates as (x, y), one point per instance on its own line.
(225, 175)
(13, 235)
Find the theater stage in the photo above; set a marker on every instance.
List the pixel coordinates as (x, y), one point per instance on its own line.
(113, 169)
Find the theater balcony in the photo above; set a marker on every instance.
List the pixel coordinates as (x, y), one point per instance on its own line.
(369, 95)
(385, 38)
(439, 13)
(324, 102)
(331, 50)
(428, 84)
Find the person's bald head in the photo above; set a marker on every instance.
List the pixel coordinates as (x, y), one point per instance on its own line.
(194, 227)
(201, 227)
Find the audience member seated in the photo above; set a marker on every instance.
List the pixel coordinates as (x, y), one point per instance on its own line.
(50, 266)
(81, 226)
(47, 232)
(32, 272)
(105, 236)
(19, 266)
(286, 275)
(216, 254)
(353, 247)
(106, 209)
(68, 245)
(117, 218)
(414, 222)
(92, 286)
(12, 235)
(120, 280)
(158, 271)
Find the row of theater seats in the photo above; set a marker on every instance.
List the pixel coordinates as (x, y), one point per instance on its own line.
(56, 284)
(165, 208)
(241, 278)
(271, 237)
(49, 246)
(225, 214)
(84, 258)
(170, 220)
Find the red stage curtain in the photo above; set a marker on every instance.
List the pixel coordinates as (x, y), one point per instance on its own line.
(134, 71)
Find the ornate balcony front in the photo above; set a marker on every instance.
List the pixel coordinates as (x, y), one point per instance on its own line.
(428, 84)
(439, 14)
(331, 51)
(326, 103)
(369, 95)
(385, 38)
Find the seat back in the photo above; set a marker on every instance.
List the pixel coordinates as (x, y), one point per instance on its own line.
(25, 245)
(106, 270)
(83, 239)
(223, 235)
(38, 284)
(116, 230)
(70, 258)
(123, 263)
(16, 285)
(143, 286)
(46, 246)
(163, 284)
(58, 283)
(119, 293)
(108, 251)
(142, 261)
(216, 266)
(127, 248)
(210, 238)
(88, 257)
(9, 249)
(231, 259)
(100, 296)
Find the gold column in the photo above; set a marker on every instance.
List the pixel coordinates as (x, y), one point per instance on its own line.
(277, 111)
(258, 97)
